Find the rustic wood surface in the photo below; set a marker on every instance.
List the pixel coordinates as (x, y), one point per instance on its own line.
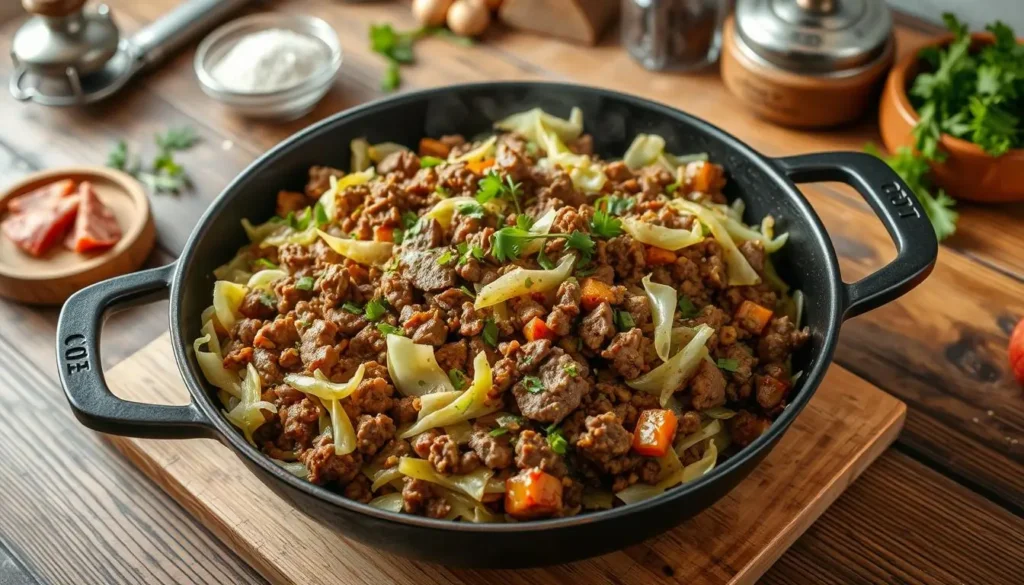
(943, 506)
(847, 425)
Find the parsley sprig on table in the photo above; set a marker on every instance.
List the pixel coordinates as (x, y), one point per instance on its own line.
(397, 47)
(977, 97)
(165, 173)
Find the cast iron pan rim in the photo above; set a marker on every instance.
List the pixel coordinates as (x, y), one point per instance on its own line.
(778, 427)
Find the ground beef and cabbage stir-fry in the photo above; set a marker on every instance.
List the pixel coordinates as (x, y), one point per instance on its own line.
(509, 328)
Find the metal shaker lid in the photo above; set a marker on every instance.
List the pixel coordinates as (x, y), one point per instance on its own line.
(63, 36)
(815, 36)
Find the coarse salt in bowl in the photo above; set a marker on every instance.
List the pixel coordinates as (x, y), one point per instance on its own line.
(269, 65)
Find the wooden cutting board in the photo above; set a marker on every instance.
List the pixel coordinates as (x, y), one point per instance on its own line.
(843, 429)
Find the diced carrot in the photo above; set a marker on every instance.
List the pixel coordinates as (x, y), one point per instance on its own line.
(479, 166)
(707, 179)
(1017, 352)
(537, 329)
(533, 494)
(753, 317)
(594, 292)
(655, 430)
(357, 272)
(656, 256)
(431, 147)
(383, 234)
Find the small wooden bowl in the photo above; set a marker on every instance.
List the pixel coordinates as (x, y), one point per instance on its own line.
(968, 172)
(50, 280)
(796, 100)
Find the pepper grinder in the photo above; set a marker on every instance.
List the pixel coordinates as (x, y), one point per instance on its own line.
(677, 35)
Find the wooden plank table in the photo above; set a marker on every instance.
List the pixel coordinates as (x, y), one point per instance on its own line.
(944, 506)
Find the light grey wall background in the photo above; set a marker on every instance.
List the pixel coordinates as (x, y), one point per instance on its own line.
(977, 13)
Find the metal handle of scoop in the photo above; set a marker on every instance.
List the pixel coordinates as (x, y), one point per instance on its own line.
(177, 28)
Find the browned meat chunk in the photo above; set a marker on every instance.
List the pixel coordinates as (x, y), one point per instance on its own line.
(627, 352)
(423, 497)
(334, 285)
(446, 458)
(290, 202)
(707, 386)
(452, 356)
(494, 452)
(396, 290)
(597, 327)
(567, 307)
(780, 340)
(427, 327)
(317, 349)
(425, 272)
(300, 421)
(606, 443)
(372, 432)
(373, 396)
(533, 450)
(326, 466)
(403, 162)
(556, 392)
(320, 180)
(405, 409)
(258, 304)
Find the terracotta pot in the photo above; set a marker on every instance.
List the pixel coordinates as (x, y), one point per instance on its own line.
(968, 172)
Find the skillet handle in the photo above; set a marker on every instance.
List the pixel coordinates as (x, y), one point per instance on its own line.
(897, 207)
(81, 374)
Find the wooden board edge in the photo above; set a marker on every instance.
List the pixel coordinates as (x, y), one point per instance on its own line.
(131, 448)
(773, 550)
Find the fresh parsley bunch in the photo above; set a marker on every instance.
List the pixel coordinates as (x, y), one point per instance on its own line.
(166, 174)
(977, 97)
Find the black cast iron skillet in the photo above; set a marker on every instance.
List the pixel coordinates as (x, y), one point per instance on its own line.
(807, 262)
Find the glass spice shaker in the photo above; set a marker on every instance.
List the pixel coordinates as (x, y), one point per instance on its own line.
(679, 35)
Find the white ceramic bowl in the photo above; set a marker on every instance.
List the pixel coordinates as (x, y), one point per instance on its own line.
(283, 104)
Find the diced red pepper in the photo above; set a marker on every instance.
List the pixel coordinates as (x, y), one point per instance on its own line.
(431, 147)
(593, 292)
(655, 430)
(383, 234)
(753, 317)
(537, 329)
(533, 494)
(656, 256)
(480, 166)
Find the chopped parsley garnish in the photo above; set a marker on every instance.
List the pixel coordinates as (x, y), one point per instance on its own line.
(624, 321)
(509, 420)
(529, 282)
(442, 192)
(605, 225)
(415, 229)
(729, 365)
(320, 214)
(498, 432)
(409, 219)
(375, 309)
(507, 243)
(446, 257)
(533, 385)
(429, 161)
(491, 332)
(524, 222)
(305, 283)
(269, 300)
(492, 187)
(571, 369)
(686, 307)
(465, 290)
(266, 264)
(165, 174)
(457, 378)
(671, 188)
(544, 261)
(350, 307)
(559, 444)
(467, 251)
(471, 209)
(388, 329)
(614, 205)
(300, 222)
(585, 271)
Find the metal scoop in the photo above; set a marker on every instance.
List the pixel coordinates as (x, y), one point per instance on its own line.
(68, 55)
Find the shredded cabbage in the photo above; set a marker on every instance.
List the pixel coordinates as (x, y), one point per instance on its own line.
(707, 430)
(675, 475)
(740, 232)
(360, 150)
(341, 426)
(703, 465)
(588, 178)
(661, 236)
(673, 162)
(644, 150)
(320, 386)
(258, 233)
(470, 404)
(436, 401)
(368, 253)
(227, 297)
(680, 337)
(460, 432)
(391, 502)
(472, 484)
(291, 236)
(237, 269)
(468, 509)
(482, 152)
(413, 368)
(526, 123)
(597, 499)
(739, 270)
(265, 279)
(541, 226)
(383, 477)
(329, 200)
(586, 175)
(523, 282)
(670, 376)
(296, 468)
(247, 415)
(719, 412)
(212, 363)
(379, 152)
(444, 210)
(663, 308)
